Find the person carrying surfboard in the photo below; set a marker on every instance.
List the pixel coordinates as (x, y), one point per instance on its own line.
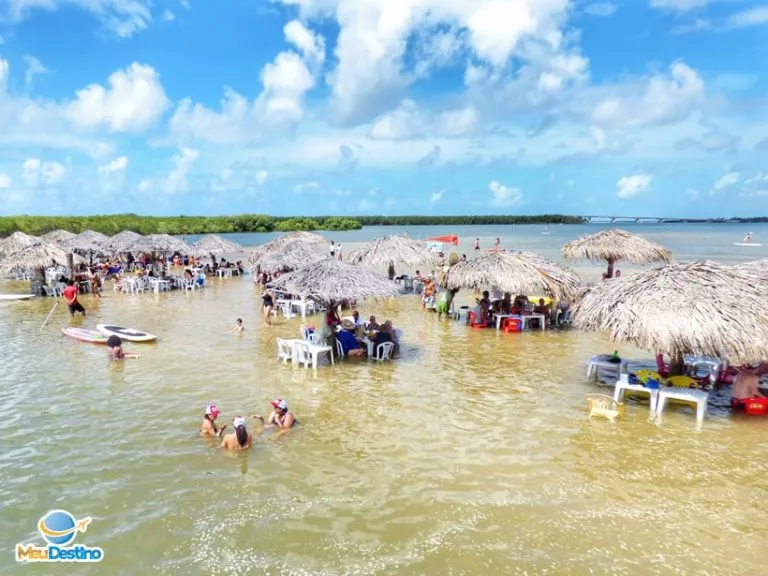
(70, 297)
(116, 352)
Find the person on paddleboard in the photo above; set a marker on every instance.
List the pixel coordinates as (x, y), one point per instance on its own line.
(209, 427)
(70, 297)
(748, 238)
(116, 352)
(240, 439)
(280, 417)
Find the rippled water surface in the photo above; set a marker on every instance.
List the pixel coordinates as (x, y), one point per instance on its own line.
(471, 454)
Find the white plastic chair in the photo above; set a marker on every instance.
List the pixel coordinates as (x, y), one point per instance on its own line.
(190, 285)
(286, 310)
(314, 338)
(284, 350)
(302, 354)
(384, 351)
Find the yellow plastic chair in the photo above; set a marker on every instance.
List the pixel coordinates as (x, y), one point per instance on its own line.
(604, 406)
(645, 375)
(682, 382)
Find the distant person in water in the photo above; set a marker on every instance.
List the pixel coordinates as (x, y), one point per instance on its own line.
(209, 427)
(748, 238)
(477, 244)
(70, 297)
(116, 352)
(239, 325)
(240, 439)
(281, 417)
(618, 274)
(444, 301)
(267, 305)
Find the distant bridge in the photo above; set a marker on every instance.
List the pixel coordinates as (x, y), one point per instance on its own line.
(654, 219)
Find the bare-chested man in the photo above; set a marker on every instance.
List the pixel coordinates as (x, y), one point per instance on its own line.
(746, 382)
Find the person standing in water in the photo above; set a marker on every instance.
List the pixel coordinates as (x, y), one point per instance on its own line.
(239, 325)
(70, 297)
(209, 427)
(240, 439)
(280, 417)
(116, 352)
(444, 301)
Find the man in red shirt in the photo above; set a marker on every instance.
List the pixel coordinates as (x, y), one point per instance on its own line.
(70, 297)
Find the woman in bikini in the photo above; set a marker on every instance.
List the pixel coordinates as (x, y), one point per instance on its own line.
(267, 305)
(280, 417)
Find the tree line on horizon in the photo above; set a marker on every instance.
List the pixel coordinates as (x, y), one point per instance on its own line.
(176, 225)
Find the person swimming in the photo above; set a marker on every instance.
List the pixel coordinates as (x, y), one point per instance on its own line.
(280, 417)
(209, 427)
(239, 325)
(240, 439)
(116, 352)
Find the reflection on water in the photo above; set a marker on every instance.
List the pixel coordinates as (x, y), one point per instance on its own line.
(470, 454)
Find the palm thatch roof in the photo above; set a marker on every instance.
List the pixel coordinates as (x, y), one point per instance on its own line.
(87, 242)
(40, 254)
(330, 281)
(392, 249)
(292, 257)
(157, 243)
(16, 241)
(215, 244)
(614, 246)
(282, 242)
(757, 267)
(517, 273)
(58, 236)
(121, 240)
(701, 308)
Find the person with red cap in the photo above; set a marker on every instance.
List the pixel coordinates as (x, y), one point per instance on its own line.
(280, 417)
(209, 427)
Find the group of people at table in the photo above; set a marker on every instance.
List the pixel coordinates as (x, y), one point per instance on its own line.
(354, 333)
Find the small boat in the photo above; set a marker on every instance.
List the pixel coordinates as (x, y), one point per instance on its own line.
(448, 239)
(16, 296)
(747, 244)
(128, 334)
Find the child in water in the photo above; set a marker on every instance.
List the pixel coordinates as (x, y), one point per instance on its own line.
(239, 325)
(115, 345)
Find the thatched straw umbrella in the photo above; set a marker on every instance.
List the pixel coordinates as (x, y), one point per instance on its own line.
(700, 308)
(292, 257)
(517, 273)
(215, 244)
(614, 246)
(282, 242)
(17, 241)
(157, 243)
(58, 236)
(87, 242)
(36, 255)
(332, 281)
(390, 251)
(757, 267)
(121, 240)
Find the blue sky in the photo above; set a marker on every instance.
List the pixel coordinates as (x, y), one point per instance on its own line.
(316, 107)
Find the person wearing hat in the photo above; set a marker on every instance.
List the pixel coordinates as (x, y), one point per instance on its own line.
(349, 342)
(240, 439)
(209, 427)
(280, 417)
(115, 345)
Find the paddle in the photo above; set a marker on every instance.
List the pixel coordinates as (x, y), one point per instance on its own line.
(49, 316)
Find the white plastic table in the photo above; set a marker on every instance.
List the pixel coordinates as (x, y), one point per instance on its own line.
(698, 397)
(314, 351)
(623, 385)
(596, 364)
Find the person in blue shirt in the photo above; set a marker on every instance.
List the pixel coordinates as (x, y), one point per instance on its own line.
(349, 343)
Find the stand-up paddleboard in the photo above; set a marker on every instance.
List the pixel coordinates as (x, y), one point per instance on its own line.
(747, 244)
(125, 333)
(85, 335)
(16, 296)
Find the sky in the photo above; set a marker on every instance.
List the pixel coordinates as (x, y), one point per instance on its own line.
(654, 108)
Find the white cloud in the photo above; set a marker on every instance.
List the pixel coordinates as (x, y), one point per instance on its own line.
(436, 196)
(168, 16)
(311, 45)
(145, 185)
(122, 17)
(285, 81)
(726, 181)
(5, 181)
(753, 17)
(196, 122)
(34, 68)
(505, 196)
(117, 165)
(679, 5)
(408, 121)
(112, 175)
(134, 100)
(185, 4)
(37, 173)
(629, 186)
(176, 180)
(261, 177)
(305, 187)
(692, 194)
(759, 177)
(601, 9)
(658, 100)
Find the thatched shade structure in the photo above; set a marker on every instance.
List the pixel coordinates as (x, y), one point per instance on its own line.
(87, 242)
(392, 250)
(157, 243)
(15, 242)
(40, 254)
(614, 246)
(700, 308)
(58, 236)
(215, 244)
(282, 242)
(292, 257)
(332, 281)
(759, 267)
(517, 273)
(121, 240)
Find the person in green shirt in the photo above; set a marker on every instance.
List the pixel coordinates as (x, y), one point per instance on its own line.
(444, 301)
